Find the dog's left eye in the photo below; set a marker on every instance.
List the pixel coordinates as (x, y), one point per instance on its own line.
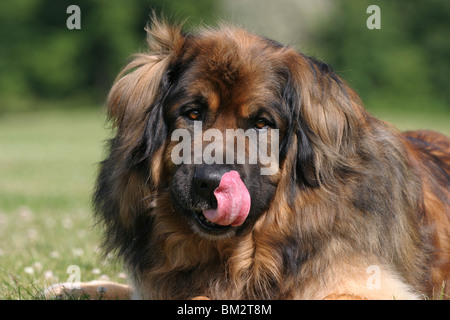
(261, 124)
(193, 114)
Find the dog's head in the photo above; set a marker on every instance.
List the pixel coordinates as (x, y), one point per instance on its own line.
(218, 118)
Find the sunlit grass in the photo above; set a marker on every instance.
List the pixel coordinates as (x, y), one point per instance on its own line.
(48, 162)
(438, 121)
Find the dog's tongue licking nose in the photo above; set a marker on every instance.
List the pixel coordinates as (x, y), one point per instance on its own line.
(233, 201)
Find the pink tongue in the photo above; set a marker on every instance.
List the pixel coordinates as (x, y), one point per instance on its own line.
(233, 201)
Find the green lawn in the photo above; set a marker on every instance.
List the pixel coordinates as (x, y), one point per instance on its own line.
(48, 163)
(438, 121)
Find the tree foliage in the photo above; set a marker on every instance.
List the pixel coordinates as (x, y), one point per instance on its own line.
(404, 64)
(40, 57)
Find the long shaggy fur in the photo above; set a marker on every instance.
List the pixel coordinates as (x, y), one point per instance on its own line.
(352, 192)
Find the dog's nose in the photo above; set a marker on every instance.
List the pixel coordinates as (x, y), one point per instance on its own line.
(206, 179)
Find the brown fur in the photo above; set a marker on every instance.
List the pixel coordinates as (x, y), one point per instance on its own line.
(371, 195)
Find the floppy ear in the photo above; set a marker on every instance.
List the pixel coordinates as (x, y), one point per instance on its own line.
(129, 176)
(135, 100)
(325, 113)
(297, 137)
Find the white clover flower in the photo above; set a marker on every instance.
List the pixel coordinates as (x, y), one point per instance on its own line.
(104, 277)
(67, 223)
(122, 275)
(25, 213)
(32, 234)
(77, 252)
(28, 270)
(50, 276)
(37, 266)
(96, 271)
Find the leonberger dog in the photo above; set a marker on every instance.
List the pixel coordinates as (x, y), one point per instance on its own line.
(354, 210)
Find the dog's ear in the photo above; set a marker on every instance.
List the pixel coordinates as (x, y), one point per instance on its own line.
(130, 174)
(325, 113)
(136, 99)
(298, 138)
(140, 83)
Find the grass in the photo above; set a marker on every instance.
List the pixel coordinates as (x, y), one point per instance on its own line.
(48, 163)
(437, 120)
(47, 167)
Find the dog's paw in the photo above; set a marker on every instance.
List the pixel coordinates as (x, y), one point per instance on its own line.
(200, 298)
(93, 290)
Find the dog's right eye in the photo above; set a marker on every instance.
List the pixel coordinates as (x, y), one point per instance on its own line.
(261, 124)
(193, 114)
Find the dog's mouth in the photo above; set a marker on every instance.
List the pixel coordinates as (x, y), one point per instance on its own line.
(221, 217)
(209, 226)
(204, 227)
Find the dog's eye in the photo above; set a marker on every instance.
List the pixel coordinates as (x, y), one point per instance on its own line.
(193, 114)
(261, 124)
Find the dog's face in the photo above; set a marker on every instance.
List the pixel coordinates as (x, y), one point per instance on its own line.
(197, 115)
(217, 86)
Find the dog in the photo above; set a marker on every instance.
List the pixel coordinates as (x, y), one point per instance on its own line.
(353, 209)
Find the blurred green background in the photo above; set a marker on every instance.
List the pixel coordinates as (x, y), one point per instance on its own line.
(54, 81)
